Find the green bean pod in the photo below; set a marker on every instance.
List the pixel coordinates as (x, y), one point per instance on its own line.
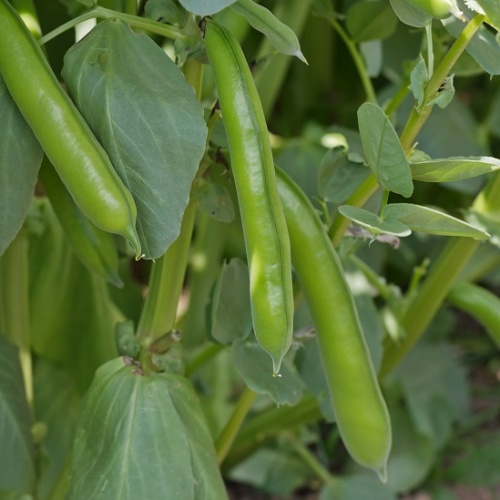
(359, 407)
(70, 145)
(481, 304)
(264, 227)
(94, 247)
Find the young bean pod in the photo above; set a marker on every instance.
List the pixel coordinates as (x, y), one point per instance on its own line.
(359, 407)
(67, 140)
(264, 226)
(94, 247)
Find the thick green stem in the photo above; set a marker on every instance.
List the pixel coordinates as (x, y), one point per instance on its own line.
(269, 81)
(358, 61)
(268, 424)
(14, 283)
(202, 357)
(103, 13)
(229, 433)
(429, 298)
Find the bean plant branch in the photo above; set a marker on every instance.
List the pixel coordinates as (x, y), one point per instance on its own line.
(319, 470)
(103, 13)
(230, 431)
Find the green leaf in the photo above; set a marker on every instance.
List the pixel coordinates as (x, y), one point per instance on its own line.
(254, 366)
(492, 9)
(355, 487)
(410, 14)
(20, 159)
(146, 115)
(57, 406)
(454, 168)
(445, 94)
(383, 151)
(371, 20)
(282, 38)
(432, 221)
(73, 324)
(215, 200)
(165, 11)
(17, 460)
(373, 223)
(231, 310)
(483, 46)
(487, 224)
(339, 177)
(142, 435)
(418, 80)
(373, 56)
(205, 7)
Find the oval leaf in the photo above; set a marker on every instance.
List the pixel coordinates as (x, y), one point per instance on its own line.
(409, 14)
(20, 159)
(17, 466)
(373, 223)
(205, 7)
(371, 20)
(142, 435)
(432, 221)
(254, 366)
(383, 151)
(453, 169)
(282, 38)
(215, 200)
(145, 114)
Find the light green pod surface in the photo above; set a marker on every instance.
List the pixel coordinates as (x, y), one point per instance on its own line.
(94, 247)
(360, 410)
(480, 303)
(67, 140)
(264, 226)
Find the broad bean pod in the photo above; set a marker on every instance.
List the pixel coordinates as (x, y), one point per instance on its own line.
(264, 227)
(67, 140)
(359, 407)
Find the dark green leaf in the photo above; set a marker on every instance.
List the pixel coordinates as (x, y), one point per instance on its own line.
(373, 223)
(17, 460)
(214, 200)
(127, 342)
(409, 14)
(355, 487)
(445, 94)
(141, 108)
(383, 151)
(282, 38)
(20, 159)
(418, 80)
(205, 7)
(165, 11)
(142, 435)
(339, 177)
(254, 366)
(371, 20)
(453, 169)
(57, 405)
(231, 311)
(432, 221)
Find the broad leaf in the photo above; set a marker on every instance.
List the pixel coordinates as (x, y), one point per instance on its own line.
(339, 177)
(354, 487)
(231, 315)
(409, 14)
(432, 221)
(383, 151)
(483, 46)
(371, 20)
(205, 7)
(164, 11)
(20, 159)
(17, 460)
(215, 200)
(57, 406)
(146, 115)
(492, 9)
(253, 364)
(282, 38)
(142, 435)
(453, 169)
(373, 223)
(418, 80)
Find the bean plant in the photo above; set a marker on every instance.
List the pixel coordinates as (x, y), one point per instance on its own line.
(249, 248)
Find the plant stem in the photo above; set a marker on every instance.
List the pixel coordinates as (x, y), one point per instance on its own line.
(269, 81)
(430, 49)
(268, 424)
(358, 60)
(429, 298)
(372, 277)
(229, 433)
(15, 305)
(202, 357)
(103, 13)
(319, 470)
